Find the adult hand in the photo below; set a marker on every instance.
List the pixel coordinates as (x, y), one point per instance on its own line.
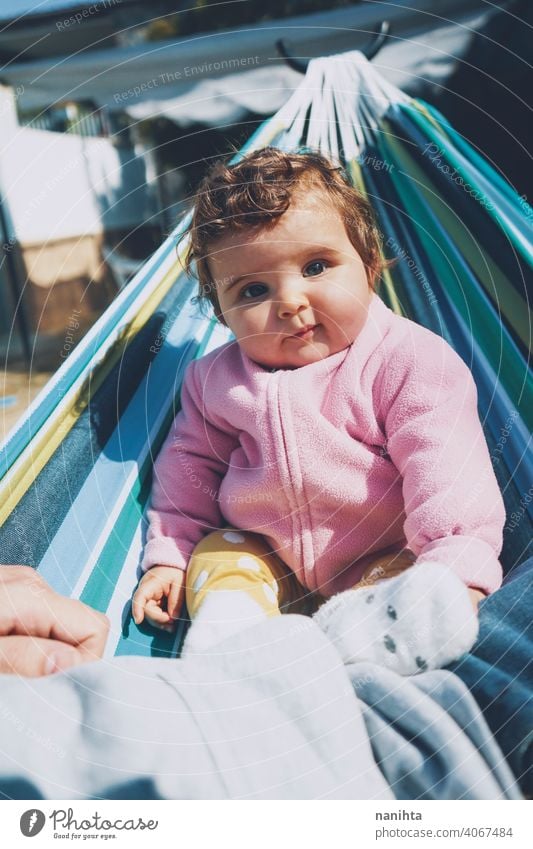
(41, 631)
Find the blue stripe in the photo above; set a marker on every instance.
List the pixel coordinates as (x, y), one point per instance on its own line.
(120, 456)
(96, 340)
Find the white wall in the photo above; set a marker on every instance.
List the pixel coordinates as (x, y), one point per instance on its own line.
(60, 186)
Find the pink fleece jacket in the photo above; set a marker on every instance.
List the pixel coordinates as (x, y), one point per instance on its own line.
(374, 448)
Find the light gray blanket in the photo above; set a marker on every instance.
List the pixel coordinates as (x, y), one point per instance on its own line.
(273, 715)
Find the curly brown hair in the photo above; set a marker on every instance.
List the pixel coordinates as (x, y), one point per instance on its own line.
(256, 191)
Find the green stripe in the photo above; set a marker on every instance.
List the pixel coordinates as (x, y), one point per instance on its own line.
(416, 191)
(427, 127)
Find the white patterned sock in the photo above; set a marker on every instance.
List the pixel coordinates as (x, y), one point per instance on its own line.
(221, 614)
(422, 619)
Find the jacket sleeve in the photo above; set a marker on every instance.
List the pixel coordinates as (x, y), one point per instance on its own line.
(186, 480)
(453, 506)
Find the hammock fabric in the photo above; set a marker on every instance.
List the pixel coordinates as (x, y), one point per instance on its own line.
(75, 473)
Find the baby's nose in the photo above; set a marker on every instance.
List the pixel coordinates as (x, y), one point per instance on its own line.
(290, 300)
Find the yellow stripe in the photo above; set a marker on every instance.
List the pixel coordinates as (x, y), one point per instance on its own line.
(358, 180)
(46, 442)
(41, 448)
(394, 301)
(421, 107)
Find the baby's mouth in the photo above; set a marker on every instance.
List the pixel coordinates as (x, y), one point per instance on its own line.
(306, 332)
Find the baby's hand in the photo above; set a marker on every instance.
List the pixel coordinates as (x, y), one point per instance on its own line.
(475, 597)
(159, 597)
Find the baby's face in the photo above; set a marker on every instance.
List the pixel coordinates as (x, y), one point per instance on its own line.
(296, 292)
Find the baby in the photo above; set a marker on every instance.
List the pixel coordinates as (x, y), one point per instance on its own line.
(329, 450)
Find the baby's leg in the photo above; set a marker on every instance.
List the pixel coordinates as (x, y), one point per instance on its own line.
(233, 581)
(420, 619)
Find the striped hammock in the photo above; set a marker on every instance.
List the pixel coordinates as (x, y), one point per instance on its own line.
(75, 473)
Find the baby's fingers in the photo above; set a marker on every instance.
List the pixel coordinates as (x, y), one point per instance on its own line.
(157, 617)
(144, 593)
(175, 596)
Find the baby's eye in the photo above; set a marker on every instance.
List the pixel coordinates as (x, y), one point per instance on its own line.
(253, 290)
(315, 268)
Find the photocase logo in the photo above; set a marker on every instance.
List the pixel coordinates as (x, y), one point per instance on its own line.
(32, 822)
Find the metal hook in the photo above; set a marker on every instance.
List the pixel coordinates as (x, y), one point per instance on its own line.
(380, 34)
